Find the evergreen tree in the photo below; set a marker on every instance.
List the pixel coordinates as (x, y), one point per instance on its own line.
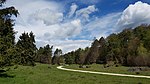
(7, 34)
(70, 58)
(93, 53)
(102, 51)
(78, 56)
(44, 54)
(27, 49)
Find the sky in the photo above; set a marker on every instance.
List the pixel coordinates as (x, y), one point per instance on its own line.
(73, 24)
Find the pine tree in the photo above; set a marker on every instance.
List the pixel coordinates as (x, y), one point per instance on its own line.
(102, 51)
(7, 34)
(27, 49)
(93, 53)
(44, 54)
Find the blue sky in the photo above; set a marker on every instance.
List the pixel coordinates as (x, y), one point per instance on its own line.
(70, 24)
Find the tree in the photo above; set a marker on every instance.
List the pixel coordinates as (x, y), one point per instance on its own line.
(141, 59)
(146, 39)
(93, 53)
(69, 57)
(124, 37)
(102, 51)
(76, 57)
(27, 49)
(44, 55)
(56, 57)
(80, 55)
(7, 34)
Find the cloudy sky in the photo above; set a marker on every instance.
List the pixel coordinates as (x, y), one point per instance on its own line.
(70, 24)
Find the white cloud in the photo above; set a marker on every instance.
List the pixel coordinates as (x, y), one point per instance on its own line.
(66, 45)
(103, 26)
(46, 20)
(51, 32)
(68, 29)
(73, 8)
(49, 17)
(135, 15)
(85, 12)
(27, 7)
(69, 45)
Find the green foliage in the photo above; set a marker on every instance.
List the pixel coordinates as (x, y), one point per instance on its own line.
(27, 49)
(131, 47)
(80, 55)
(56, 57)
(93, 53)
(7, 34)
(70, 57)
(76, 57)
(44, 54)
(102, 51)
(141, 50)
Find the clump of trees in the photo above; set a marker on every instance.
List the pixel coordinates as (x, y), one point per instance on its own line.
(22, 52)
(76, 57)
(131, 47)
(44, 54)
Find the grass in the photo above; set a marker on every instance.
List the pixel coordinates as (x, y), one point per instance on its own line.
(48, 74)
(112, 69)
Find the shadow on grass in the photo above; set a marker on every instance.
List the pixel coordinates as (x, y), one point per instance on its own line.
(3, 74)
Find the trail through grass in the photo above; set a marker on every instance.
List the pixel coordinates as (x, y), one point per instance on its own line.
(47, 74)
(112, 69)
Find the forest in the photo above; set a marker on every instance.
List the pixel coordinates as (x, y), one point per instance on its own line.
(131, 47)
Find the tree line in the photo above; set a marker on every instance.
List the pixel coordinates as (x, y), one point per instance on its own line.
(131, 47)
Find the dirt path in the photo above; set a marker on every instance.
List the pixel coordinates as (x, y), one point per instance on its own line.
(103, 73)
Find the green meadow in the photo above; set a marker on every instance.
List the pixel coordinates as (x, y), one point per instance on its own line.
(49, 74)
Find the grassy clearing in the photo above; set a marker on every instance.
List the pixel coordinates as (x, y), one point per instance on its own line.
(112, 69)
(46, 74)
